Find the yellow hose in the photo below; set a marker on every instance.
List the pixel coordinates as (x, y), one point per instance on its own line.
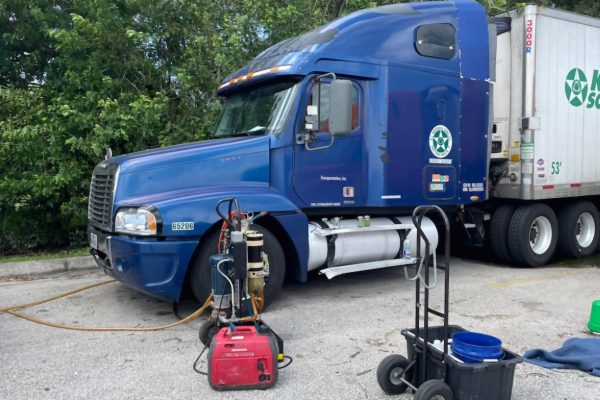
(11, 310)
(49, 299)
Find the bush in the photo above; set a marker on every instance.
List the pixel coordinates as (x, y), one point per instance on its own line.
(77, 77)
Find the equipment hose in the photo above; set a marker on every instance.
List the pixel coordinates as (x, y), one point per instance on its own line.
(12, 311)
(60, 296)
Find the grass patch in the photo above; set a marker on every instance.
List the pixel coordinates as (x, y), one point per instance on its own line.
(83, 251)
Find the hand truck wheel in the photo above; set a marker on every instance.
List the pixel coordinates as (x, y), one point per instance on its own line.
(390, 372)
(434, 390)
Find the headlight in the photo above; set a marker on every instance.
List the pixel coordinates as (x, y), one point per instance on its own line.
(137, 221)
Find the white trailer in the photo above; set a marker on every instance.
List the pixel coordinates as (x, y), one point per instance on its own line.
(545, 160)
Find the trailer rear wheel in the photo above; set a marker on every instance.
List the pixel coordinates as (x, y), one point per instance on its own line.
(533, 234)
(200, 275)
(390, 372)
(578, 224)
(499, 233)
(434, 390)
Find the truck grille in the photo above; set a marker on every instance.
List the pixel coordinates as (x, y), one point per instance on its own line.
(101, 195)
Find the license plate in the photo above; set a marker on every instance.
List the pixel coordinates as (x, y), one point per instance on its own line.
(93, 241)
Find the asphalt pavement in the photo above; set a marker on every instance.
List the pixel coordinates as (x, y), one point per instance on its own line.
(336, 331)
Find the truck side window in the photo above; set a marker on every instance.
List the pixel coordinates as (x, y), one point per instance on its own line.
(323, 125)
(436, 40)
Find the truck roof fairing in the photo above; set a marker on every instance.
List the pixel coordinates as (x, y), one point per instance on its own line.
(376, 36)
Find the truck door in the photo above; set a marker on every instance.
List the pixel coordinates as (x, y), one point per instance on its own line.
(327, 175)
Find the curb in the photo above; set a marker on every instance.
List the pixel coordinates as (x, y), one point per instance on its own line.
(46, 267)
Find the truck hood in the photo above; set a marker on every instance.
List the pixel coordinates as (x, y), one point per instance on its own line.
(173, 168)
(190, 153)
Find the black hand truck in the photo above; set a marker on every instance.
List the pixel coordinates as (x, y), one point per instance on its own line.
(430, 370)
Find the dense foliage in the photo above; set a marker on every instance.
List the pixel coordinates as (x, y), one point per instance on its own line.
(79, 76)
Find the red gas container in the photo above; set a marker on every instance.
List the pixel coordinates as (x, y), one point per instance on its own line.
(242, 359)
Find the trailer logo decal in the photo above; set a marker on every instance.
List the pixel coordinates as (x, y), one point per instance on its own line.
(440, 141)
(580, 91)
(576, 87)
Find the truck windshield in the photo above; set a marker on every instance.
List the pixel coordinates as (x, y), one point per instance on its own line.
(258, 110)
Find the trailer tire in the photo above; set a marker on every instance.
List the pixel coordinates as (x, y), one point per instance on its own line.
(533, 234)
(200, 279)
(499, 233)
(390, 371)
(578, 224)
(434, 389)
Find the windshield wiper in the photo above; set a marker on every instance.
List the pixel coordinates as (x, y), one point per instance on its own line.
(256, 131)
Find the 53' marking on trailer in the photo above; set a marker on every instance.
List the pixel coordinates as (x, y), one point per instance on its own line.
(556, 167)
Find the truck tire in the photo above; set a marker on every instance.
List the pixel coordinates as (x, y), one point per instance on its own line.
(533, 234)
(499, 233)
(578, 225)
(200, 274)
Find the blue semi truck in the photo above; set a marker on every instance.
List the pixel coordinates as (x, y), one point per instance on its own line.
(339, 133)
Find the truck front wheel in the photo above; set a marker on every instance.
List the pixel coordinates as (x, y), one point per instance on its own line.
(533, 234)
(200, 274)
(578, 229)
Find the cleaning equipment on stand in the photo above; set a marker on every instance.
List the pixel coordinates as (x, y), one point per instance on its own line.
(244, 351)
(479, 368)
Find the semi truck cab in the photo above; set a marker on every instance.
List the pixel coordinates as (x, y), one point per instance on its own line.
(370, 115)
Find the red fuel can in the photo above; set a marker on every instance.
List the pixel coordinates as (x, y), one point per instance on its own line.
(243, 359)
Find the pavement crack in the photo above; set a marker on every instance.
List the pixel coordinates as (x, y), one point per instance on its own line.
(364, 390)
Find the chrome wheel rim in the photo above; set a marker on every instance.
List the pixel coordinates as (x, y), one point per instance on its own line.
(540, 235)
(585, 230)
(438, 397)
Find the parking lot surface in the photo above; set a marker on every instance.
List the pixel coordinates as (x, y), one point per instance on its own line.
(336, 331)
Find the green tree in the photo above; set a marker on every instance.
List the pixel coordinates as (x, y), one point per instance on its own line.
(77, 77)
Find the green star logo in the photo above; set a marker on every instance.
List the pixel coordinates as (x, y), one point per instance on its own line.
(576, 87)
(440, 141)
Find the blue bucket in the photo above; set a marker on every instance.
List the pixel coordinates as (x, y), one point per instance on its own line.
(473, 347)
